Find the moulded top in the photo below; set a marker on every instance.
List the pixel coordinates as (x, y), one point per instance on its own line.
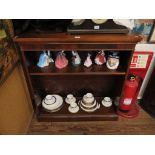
(65, 38)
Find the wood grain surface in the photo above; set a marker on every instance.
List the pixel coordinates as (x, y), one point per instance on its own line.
(142, 125)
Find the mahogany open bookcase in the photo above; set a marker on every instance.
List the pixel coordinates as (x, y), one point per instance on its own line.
(78, 81)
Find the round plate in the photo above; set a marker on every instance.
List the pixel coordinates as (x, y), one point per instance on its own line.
(73, 110)
(88, 106)
(55, 110)
(90, 110)
(105, 104)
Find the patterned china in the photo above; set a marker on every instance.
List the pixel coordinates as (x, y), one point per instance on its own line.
(52, 103)
(73, 108)
(107, 102)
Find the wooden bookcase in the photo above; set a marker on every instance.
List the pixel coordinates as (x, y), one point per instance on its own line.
(76, 80)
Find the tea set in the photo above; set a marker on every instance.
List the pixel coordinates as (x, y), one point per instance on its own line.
(61, 61)
(88, 103)
(52, 103)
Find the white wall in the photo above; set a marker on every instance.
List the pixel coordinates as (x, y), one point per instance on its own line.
(145, 48)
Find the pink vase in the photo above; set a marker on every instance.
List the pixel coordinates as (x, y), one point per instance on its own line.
(61, 61)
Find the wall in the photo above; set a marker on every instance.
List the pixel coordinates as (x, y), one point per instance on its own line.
(15, 106)
(145, 48)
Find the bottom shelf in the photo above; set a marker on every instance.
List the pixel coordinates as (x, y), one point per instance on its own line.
(102, 114)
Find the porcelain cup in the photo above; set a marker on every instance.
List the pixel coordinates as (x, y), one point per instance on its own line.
(70, 97)
(88, 98)
(50, 99)
(73, 105)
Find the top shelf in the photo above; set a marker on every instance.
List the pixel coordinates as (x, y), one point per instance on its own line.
(32, 41)
(57, 38)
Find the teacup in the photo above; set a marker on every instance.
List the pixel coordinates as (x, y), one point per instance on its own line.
(50, 99)
(88, 98)
(107, 102)
(73, 105)
(70, 96)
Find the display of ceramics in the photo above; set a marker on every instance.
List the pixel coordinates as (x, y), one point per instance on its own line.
(100, 58)
(113, 60)
(88, 103)
(70, 99)
(52, 103)
(61, 61)
(73, 108)
(76, 60)
(88, 61)
(107, 102)
(43, 60)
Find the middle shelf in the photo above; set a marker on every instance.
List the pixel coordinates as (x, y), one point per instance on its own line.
(71, 70)
(32, 59)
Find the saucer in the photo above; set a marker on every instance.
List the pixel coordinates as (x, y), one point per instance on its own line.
(88, 106)
(90, 110)
(73, 110)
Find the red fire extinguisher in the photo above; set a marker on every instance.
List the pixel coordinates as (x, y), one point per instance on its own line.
(129, 93)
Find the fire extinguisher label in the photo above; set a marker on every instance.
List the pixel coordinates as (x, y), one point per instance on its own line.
(127, 101)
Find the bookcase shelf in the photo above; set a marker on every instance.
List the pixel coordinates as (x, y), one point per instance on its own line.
(71, 70)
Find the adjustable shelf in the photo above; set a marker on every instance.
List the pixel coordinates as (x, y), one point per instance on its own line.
(71, 70)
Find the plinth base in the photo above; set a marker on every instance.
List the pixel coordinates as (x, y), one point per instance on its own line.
(130, 114)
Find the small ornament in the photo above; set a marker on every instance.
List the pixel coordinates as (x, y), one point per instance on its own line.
(100, 58)
(107, 102)
(61, 61)
(73, 108)
(113, 60)
(50, 56)
(70, 98)
(76, 60)
(88, 61)
(43, 60)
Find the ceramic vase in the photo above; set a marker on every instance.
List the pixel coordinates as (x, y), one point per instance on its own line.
(76, 60)
(61, 61)
(88, 61)
(100, 58)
